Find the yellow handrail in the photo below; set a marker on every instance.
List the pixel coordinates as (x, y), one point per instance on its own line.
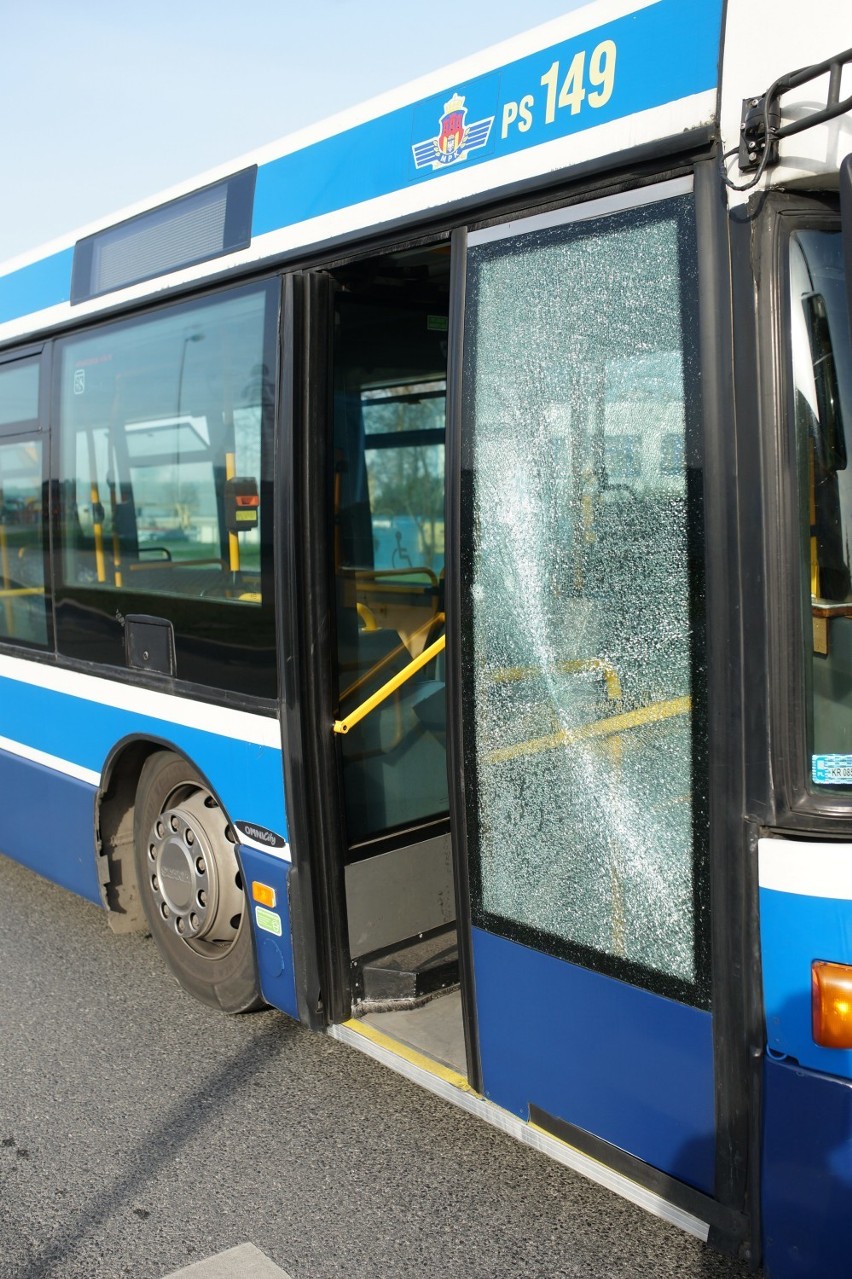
(11, 591)
(381, 694)
(145, 565)
(614, 724)
(436, 620)
(412, 570)
(581, 665)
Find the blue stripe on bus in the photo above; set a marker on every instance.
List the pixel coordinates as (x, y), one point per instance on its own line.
(50, 825)
(629, 1066)
(247, 777)
(37, 286)
(664, 52)
(796, 929)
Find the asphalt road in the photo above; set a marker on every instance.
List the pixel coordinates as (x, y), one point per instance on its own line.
(141, 1132)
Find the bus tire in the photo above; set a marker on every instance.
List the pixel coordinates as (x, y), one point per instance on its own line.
(191, 886)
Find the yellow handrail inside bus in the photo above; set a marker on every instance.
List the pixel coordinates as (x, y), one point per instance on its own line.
(145, 565)
(402, 647)
(581, 665)
(233, 540)
(383, 693)
(411, 570)
(653, 714)
(367, 617)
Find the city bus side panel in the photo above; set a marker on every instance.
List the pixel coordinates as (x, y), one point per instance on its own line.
(59, 728)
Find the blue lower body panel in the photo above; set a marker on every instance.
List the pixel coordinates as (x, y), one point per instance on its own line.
(807, 1174)
(634, 1068)
(47, 821)
(271, 929)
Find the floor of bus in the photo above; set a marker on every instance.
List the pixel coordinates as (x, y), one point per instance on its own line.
(435, 1029)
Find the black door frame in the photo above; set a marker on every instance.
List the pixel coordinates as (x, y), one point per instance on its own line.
(306, 635)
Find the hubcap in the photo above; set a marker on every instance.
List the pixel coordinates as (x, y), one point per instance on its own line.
(193, 871)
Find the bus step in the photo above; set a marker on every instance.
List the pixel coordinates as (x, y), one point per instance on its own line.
(411, 974)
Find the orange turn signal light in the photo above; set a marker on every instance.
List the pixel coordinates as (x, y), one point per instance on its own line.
(831, 992)
(263, 893)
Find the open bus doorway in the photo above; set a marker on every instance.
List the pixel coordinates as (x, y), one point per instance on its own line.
(387, 492)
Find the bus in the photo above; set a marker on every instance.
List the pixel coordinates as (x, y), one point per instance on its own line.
(426, 596)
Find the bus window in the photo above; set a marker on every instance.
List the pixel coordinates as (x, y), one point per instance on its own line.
(822, 386)
(19, 393)
(155, 416)
(22, 607)
(161, 426)
(23, 618)
(404, 455)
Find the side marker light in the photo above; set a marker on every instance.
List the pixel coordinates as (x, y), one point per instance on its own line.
(263, 893)
(831, 992)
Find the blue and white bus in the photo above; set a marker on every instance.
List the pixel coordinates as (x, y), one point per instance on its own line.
(426, 596)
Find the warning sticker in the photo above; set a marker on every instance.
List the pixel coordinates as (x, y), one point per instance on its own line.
(268, 920)
(832, 770)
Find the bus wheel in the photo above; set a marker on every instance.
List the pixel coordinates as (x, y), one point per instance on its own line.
(191, 887)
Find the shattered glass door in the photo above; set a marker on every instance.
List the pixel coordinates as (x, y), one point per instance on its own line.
(583, 661)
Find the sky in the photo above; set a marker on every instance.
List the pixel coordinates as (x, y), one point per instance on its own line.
(104, 103)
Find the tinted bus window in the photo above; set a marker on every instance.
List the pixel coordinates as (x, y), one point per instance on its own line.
(19, 392)
(22, 604)
(165, 425)
(23, 618)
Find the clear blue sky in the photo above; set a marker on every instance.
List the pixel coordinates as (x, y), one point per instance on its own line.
(104, 103)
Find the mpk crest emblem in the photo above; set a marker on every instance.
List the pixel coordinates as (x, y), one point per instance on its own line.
(455, 139)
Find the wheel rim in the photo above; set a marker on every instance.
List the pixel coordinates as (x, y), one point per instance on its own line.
(193, 873)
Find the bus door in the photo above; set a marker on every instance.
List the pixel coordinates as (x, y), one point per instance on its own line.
(582, 678)
(385, 500)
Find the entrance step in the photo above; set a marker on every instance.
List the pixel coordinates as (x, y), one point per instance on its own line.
(412, 973)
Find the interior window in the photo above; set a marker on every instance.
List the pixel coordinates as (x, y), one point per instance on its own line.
(388, 511)
(822, 387)
(404, 453)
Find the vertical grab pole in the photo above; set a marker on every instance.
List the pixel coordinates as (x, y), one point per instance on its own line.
(97, 520)
(233, 540)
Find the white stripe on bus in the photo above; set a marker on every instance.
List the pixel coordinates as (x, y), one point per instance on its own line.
(50, 761)
(809, 869)
(222, 721)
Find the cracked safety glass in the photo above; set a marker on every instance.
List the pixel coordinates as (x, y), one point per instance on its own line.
(583, 659)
